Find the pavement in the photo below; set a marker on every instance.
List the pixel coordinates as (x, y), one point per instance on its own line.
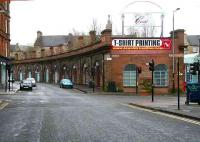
(167, 103)
(13, 89)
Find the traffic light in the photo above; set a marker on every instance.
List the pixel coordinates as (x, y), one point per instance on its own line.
(7, 66)
(151, 65)
(194, 68)
(92, 71)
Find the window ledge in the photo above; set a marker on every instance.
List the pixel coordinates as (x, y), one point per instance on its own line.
(161, 86)
(129, 86)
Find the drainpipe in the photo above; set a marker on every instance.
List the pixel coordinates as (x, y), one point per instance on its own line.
(103, 77)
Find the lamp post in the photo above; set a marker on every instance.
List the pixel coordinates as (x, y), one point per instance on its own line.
(123, 24)
(173, 51)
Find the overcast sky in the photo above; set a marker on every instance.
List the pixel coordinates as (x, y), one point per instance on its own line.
(60, 17)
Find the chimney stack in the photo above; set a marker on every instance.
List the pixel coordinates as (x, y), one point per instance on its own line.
(39, 34)
(92, 36)
(81, 41)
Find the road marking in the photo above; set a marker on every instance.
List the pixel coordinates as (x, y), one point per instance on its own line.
(165, 114)
(3, 105)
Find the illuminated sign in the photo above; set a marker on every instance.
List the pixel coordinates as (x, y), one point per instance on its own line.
(141, 44)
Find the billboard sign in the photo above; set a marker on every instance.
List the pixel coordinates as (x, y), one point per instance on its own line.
(142, 44)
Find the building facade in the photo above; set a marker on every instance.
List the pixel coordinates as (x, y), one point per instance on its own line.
(4, 40)
(97, 58)
(192, 55)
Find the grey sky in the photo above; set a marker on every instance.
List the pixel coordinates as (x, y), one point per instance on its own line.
(55, 17)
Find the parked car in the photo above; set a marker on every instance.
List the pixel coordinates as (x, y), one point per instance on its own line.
(66, 83)
(26, 84)
(33, 81)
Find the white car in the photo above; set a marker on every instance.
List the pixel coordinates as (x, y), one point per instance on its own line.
(33, 81)
(26, 84)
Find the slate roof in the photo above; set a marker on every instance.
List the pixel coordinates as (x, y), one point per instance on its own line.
(52, 41)
(14, 47)
(193, 40)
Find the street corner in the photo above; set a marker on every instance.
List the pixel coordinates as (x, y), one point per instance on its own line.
(183, 113)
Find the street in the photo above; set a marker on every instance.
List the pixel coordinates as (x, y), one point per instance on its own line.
(51, 114)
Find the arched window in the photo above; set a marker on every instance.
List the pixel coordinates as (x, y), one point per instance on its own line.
(129, 75)
(161, 75)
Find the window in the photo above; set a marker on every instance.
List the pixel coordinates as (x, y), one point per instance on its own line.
(161, 75)
(129, 76)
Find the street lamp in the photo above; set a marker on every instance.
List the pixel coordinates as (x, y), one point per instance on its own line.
(173, 50)
(123, 24)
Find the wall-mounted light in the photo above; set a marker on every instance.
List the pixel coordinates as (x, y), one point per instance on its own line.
(97, 63)
(85, 65)
(74, 66)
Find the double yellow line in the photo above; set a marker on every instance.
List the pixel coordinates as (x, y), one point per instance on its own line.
(3, 105)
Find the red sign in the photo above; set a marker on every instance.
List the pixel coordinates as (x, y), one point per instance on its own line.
(142, 44)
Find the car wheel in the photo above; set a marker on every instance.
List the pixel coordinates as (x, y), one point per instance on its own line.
(31, 88)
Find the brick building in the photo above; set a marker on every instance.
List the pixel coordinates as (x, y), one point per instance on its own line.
(4, 40)
(86, 58)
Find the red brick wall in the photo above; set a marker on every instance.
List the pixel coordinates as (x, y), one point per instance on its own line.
(121, 58)
(4, 33)
(115, 70)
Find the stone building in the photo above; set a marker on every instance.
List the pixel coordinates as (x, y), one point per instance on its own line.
(192, 54)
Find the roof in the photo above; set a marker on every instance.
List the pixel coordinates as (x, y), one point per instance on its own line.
(51, 41)
(193, 40)
(18, 48)
(14, 47)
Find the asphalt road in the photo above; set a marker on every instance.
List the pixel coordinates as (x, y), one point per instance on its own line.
(51, 114)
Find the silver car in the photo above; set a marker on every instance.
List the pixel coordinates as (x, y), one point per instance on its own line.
(26, 84)
(33, 81)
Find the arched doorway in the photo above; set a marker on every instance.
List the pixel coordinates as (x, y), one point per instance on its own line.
(66, 72)
(55, 74)
(21, 75)
(47, 75)
(56, 77)
(97, 74)
(74, 74)
(85, 76)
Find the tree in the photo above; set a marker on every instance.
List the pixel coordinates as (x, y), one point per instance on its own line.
(95, 27)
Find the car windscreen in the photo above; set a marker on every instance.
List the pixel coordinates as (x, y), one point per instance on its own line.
(66, 80)
(26, 81)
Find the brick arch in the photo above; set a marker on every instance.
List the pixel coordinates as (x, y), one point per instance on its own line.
(47, 73)
(56, 72)
(97, 74)
(65, 71)
(74, 71)
(37, 72)
(85, 73)
(29, 70)
(21, 72)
